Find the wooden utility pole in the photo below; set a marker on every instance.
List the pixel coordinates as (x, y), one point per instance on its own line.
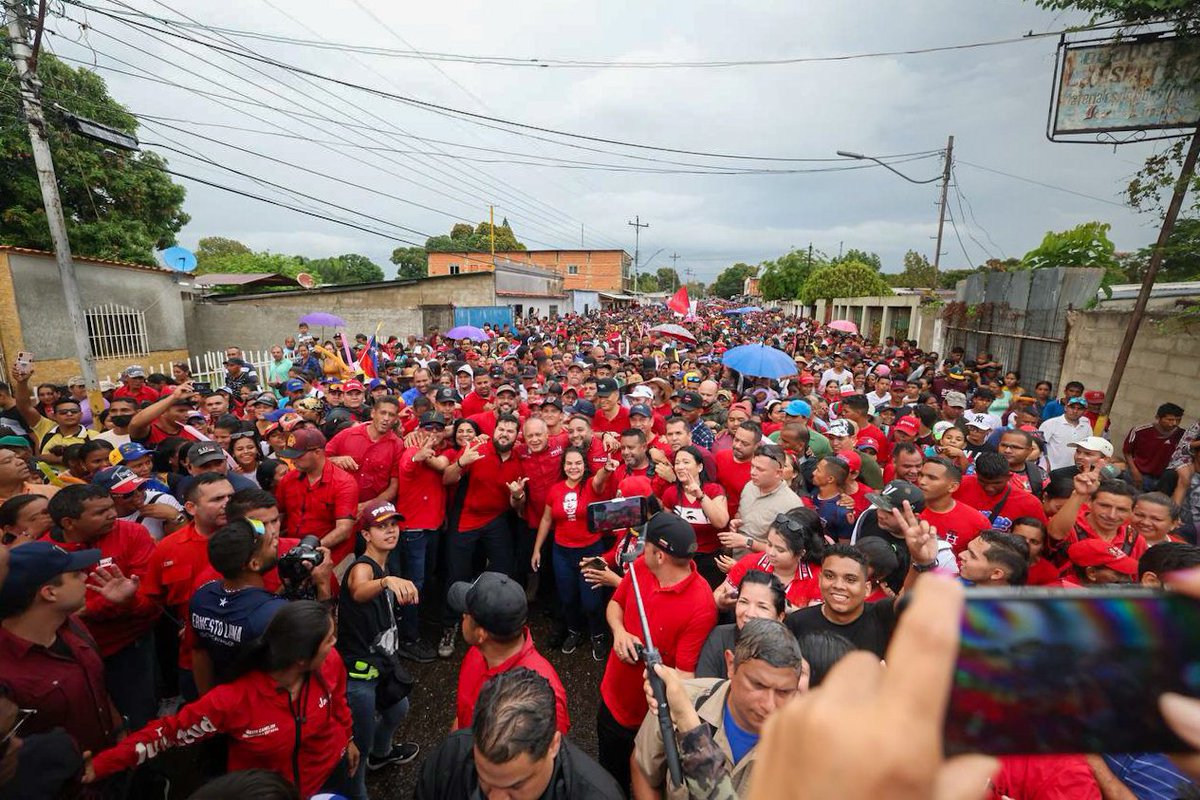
(946, 167)
(637, 241)
(1156, 259)
(674, 264)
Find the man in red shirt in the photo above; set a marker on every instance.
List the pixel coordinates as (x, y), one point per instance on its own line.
(179, 559)
(497, 486)
(956, 523)
(541, 458)
(133, 385)
(733, 465)
(991, 491)
(681, 611)
(165, 418)
(1148, 448)
(505, 402)
(371, 453)
(611, 416)
(478, 400)
(856, 409)
(494, 612)
(317, 498)
(1097, 508)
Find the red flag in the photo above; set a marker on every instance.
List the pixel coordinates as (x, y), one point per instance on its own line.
(680, 303)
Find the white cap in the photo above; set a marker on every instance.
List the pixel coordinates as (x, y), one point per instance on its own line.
(980, 421)
(467, 369)
(1096, 444)
(642, 390)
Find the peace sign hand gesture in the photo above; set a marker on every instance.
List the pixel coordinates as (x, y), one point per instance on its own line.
(919, 535)
(1087, 480)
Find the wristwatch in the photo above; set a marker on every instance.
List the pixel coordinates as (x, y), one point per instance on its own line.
(929, 567)
(749, 542)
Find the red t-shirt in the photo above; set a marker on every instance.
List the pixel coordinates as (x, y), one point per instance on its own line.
(618, 424)
(377, 460)
(488, 496)
(543, 470)
(474, 673)
(803, 590)
(178, 560)
(681, 617)
(146, 394)
(1117, 540)
(313, 509)
(733, 475)
(568, 510)
(958, 526)
(473, 404)
(420, 494)
(885, 446)
(1043, 573)
(1018, 504)
(706, 533)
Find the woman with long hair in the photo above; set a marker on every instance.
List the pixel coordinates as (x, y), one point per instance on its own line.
(760, 595)
(701, 501)
(286, 712)
(795, 547)
(246, 453)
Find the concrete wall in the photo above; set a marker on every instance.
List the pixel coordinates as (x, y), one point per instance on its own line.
(583, 302)
(1162, 367)
(260, 320)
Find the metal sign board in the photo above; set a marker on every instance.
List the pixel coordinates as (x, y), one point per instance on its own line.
(1127, 85)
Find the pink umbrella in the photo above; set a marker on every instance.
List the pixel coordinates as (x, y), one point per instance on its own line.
(676, 332)
(844, 325)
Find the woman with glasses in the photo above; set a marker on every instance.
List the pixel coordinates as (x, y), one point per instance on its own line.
(795, 545)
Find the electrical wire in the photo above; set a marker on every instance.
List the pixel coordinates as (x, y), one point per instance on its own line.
(971, 210)
(1040, 183)
(962, 214)
(963, 247)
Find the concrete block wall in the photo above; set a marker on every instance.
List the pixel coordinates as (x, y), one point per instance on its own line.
(1164, 366)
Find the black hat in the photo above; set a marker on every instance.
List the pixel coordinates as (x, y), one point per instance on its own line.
(671, 534)
(640, 410)
(33, 565)
(894, 495)
(446, 394)
(553, 400)
(583, 407)
(433, 418)
(495, 601)
(606, 387)
(235, 361)
(205, 452)
(690, 401)
(496, 372)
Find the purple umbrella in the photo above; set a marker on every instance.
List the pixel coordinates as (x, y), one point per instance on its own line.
(324, 319)
(467, 332)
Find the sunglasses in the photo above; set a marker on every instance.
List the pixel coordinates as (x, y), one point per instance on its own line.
(241, 435)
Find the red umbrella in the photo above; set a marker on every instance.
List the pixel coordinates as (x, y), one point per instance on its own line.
(676, 332)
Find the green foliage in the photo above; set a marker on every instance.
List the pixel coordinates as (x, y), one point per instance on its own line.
(413, 262)
(696, 289)
(783, 277)
(917, 274)
(119, 206)
(345, 269)
(213, 248)
(647, 282)
(731, 280)
(861, 256)
(464, 238)
(1183, 13)
(218, 254)
(248, 261)
(1151, 188)
(1181, 261)
(844, 279)
(668, 279)
(949, 278)
(1085, 245)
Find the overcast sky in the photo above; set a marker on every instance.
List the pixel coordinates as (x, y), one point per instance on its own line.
(992, 99)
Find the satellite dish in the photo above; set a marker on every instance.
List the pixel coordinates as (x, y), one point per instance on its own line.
(179, 258)
(306, 280)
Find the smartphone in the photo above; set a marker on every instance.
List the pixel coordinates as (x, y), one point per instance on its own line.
(612, 515)
(595, 562)
(202, 387)
(24, 363)
(1071, 671)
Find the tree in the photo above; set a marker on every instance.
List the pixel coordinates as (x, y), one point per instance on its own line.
(1181, 259)
(917, 274)
(464, 238)
(647, 282)
(117, 205)
(348, 268)
(214, 248)
(843, 279)
(1085, 245)
(668, 279)
(731, 280)
(782, 278)
(413, 262)
(696, 289)
(248, 261)
(861, 256)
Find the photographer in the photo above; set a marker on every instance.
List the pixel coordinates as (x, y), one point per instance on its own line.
(378, 686)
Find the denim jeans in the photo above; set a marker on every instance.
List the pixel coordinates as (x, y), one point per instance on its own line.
(582, 605)
(497, 541)
(408, 561)
(373, 731)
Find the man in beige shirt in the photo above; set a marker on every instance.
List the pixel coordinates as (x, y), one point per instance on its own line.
(766, 496)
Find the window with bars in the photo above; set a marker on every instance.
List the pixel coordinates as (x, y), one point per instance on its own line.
(572, 269)
(455, 269)
(116, 331)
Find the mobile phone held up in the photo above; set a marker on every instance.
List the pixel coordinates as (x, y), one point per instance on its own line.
(1071, 671)
(613, 515)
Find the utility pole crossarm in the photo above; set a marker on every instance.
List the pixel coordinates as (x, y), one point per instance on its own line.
(637, 240)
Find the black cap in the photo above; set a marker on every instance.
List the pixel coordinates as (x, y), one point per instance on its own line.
(433, 418)
(584, 407)
(33, 565)
(553, 400)
(529, 371)
(640, 410)
(205, 452)
(446, 395)
(551, 387)
(495, 601)
(606, 387)
(690, 401)
(894, 495)
(496, 372)
(671, 534)
(235, 361)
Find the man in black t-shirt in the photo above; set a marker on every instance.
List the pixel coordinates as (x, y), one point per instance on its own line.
(878, 521)
(844, 587)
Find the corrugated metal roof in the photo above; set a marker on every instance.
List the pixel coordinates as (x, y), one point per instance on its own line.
(104, 262)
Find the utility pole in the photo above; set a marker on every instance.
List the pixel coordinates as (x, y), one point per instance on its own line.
(674, 264)
(29, 88)
(946, 165)
(637, 241)
(492, 231)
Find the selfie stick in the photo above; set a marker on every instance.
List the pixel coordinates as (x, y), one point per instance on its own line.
(651, 657)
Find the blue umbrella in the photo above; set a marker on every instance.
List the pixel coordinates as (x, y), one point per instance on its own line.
(760, 361)
(467, 332)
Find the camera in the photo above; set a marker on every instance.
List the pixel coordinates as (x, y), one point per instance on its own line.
(294, 574)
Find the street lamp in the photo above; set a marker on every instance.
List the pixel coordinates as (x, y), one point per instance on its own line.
(889, 167)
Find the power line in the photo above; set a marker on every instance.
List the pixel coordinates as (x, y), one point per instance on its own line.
(961, 246)
(963, 216)
(1040, 183)
(971, 210)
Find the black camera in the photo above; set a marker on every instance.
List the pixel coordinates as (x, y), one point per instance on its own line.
(293, 572)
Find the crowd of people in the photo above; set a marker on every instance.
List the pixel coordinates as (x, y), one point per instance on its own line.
(243, 567)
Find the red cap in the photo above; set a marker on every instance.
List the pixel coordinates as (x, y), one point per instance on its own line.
(867, 442)
(853, 460)
(635, 486)
(377, 513)
(353, 386)
(1093, 552)
(908, 425)
(302, 440)
(1094, 396)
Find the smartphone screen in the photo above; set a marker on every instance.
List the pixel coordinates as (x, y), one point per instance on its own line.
(612, 515)
(1063, 671)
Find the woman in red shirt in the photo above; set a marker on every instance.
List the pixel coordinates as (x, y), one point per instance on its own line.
(1042, 572)
(566, 513)
(288, 713)
(795, 546)
(701, 501)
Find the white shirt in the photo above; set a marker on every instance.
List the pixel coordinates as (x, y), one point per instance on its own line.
(876, 400)
(155, 526)
(114, 438)
(843, 377)
(1058, 434)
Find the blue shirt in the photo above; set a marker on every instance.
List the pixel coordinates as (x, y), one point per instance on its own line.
(836, 517)
(227, 622)
(740, 741)
(1053, 409)
(410, 396)
(1150, 776)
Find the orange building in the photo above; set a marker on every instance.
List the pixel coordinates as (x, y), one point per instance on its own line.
(598, 270)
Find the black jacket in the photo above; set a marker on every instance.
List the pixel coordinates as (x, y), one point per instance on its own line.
(449, 772)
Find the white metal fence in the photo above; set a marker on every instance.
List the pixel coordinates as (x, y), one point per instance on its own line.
(116, 331)
(208, 366)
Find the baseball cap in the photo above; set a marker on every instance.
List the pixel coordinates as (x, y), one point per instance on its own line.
(908, 425)
(16, 441)
(107, 386)
(642, 391)
(75, 380)
(839, 427)
(955, 373)
(956, 399)
(584, 407)
(868, 443)
(506, 387)
(1091, 552)
(235, 362)
(798, 408)
(853, 460)
(133, 371)
(446, 395)
(635, 486)
(640, 410)
(672, 534)
(301, 441)
(1094, 396)
(309, 404)
(264, 399)
(118, 480)
(894, 494)
(848, 389)
(353, 386)
(1076, 401)
(204, 453)
(432, 418)
(33, 565)
(980, 421)
(690, 401)
(941, 427)
(1095, 444)
(126, 453)
(376, 513)
(467, 369)
(495, 601)
(294, 385)
(606, 387)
